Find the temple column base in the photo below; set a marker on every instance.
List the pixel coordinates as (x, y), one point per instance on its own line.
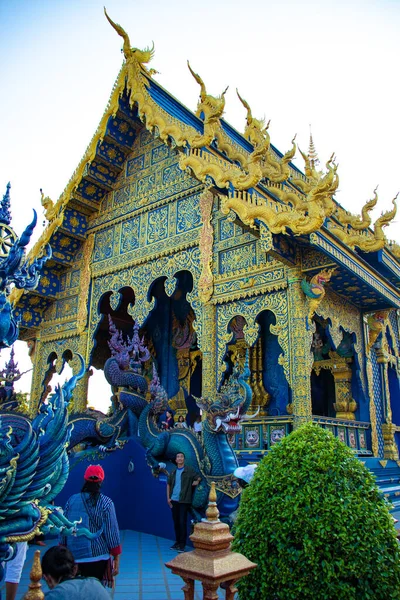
(390, 450)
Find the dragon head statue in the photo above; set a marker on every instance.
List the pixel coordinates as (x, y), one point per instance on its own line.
(229, 409)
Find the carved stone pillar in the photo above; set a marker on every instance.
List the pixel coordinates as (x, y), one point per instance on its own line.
(39, 368)
(301, 358)
(206, 288)
(344, 406)
(390, 449)
(80, 393)
(209, 350)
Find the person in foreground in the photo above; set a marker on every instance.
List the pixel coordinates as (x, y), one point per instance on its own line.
(98, 514)
(180, 485)
(13, 571)
(60, 573)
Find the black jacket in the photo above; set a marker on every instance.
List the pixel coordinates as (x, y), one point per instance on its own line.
(188, 476)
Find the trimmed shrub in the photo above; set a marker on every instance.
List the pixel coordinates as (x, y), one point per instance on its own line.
(316, 524)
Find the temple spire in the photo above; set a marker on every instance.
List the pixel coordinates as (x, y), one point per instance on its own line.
(5, 214)
(312, 153)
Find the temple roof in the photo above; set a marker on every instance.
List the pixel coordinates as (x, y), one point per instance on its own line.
(258, 186)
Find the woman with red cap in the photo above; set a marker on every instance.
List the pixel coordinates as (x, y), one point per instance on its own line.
(98, 557)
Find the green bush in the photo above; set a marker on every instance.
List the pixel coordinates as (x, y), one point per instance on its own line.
(316, 524)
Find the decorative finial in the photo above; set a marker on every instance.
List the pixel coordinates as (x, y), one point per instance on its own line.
(11, 372)
(5, 215)
(35, 588)
(212, 512)
(312, 153)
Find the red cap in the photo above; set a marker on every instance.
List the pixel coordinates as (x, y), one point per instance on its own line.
(94, 473)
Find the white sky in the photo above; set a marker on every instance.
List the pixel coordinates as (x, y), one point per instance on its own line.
(334, 65)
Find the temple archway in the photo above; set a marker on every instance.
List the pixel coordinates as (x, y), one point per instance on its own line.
(173, 342)
(116, 308)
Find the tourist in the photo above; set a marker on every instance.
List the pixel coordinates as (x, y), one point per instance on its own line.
(181, 482)
(181, 422)
(60, 573)
(14, 569)
(98, 514)
(169, 420)
(198, 425)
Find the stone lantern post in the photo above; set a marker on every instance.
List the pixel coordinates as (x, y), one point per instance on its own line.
(212, 561)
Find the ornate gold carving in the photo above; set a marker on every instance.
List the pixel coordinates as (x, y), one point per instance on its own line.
(206, 339)
(276, 302)
(315, 290)
(376, 326)
(35, 587)
(343, 317)
(133, 55)
(48, 205)
(347, 219)
(80, 393)
(362, 238)
(301, 357)
(390, 450)
(345, 406)
(206, 281)
(85, 283)
(212, 108)
(261, 159)
(394, 248)
(302, 214)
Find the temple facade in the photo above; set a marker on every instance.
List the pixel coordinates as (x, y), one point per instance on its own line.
(219, 250)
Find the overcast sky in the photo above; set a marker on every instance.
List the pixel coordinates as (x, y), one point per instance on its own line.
(334, 65)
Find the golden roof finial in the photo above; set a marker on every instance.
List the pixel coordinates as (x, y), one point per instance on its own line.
(312, 153)
(212, 512)
(35, 587)
(141, 56)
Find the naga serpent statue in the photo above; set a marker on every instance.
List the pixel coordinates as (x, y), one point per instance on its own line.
(212, 456)
(123, 371)
(34, 467)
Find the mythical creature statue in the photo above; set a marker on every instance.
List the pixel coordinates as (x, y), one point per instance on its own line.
(315, 290)
(346, 218)
(213, 456)
(261, 157)
(394, 249)
(9, 375)
(133, 56)
(50, 212)
(302, 214)
(212, 108)
(34, 468)
(15, 269)
(123, 371)
(367, 241)
(376, 325)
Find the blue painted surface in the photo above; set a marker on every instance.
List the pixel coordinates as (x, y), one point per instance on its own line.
(139, 498)
(173, 107)
(274, 379)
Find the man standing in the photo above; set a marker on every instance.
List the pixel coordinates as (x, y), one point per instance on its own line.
(180, 485)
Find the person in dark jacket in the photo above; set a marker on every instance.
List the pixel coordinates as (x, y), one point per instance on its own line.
(181, 482)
